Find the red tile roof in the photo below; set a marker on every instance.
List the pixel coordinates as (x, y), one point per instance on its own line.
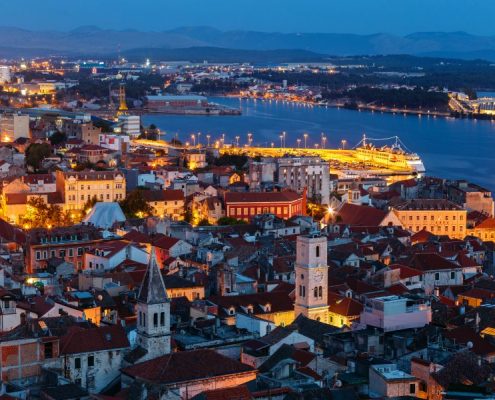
(432, 262)
(165, 242)
(406, 272)
(186, 366)
(265, 197)
(78, 340)
(351, 214)
(234, 393)
(346, 307)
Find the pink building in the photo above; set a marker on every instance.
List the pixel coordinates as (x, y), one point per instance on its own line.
(392, 313)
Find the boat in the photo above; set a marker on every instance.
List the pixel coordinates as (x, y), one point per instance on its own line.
(395, 156)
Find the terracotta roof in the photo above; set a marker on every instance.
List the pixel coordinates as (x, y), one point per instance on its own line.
(138, 237)
(279, 301)
(488, 223)
(22, 198)
(351, 214)
(405, 271)
(422, 236)
(165, 242)
(265, 197)
(432, 262)
(464, 335)
(234, 393)
(9, 233)
(346, 307)
(78, 340)
(163, 195)
(428, 204)
(186, 366)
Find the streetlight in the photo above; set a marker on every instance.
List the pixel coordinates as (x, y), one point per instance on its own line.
(250, 138)
(281, 141)
(316, 146)
(283, 134)
(324, 139)
(193, 137)
(208, 139)
(199, 137)
(299, 142)
(343, 141)
(273, 145)
(305, 140)
(237, 140)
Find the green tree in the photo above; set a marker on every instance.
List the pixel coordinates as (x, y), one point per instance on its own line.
(204, 222)
(42, 215)
(135, 205)
(89, 204)
(57, 138)
(35, 153)
(188, 215)
(230, 221)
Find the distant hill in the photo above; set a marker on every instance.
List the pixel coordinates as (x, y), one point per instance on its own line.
(93, 40)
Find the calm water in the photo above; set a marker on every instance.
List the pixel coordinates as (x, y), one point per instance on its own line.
(450, 148)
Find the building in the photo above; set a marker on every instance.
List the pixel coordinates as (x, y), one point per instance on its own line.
(312, 277)
(392, 313)
(438, 216)
(14, 126)
(79, 187)
(471, 197)
(196, 160)
(153, 314)
(175, 104)
(4, 74)
(15, 205)
(286, 204)
(130, 125)
(166, 203)
(92, 358)
(390, 382)
(295, 173)
(185, 374)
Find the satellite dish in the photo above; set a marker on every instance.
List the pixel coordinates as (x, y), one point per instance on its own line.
(470, 345)
(338, 383)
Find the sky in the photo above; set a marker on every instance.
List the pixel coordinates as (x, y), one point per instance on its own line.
(346, 16)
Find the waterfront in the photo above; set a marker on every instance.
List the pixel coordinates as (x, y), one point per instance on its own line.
(451, 148)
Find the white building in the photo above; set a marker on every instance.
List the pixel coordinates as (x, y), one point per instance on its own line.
(130, 125)
(4, 74)
(389, 382)
(14, 126)
(392, 313)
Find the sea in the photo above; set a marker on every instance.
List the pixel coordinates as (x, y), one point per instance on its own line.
(450, 148)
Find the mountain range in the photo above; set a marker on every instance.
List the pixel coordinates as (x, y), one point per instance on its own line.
(91, 40)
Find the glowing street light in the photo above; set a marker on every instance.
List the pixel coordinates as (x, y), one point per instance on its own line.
(305, 140)
(284, 134)
(343, 141)
(250, 138)
(237, 140)
(208, 139)
(299, 142)
(281, 141)
(199, 139)
(273, 145)
(193, 137)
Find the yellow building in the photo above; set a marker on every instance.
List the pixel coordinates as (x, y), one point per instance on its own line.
(438, 216)
(485, 230)
(344, 311)
(77, 188)
(166, 203)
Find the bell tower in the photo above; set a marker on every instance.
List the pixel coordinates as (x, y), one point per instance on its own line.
(312, 277)
(153, 312)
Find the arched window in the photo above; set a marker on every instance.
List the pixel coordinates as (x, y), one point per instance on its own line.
(317, 248)
(320, 291)
(315, 292)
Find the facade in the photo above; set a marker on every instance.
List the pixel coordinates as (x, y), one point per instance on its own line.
(4, 74)
(471, 197)
(130, 125)
(296, 173)
(166, 104)
(284, 205)
(79, 187)
(392, 313)
(14, 126)
(166, 203)
(440, 217)
(388, 381)
(312, 277)
(196, 160)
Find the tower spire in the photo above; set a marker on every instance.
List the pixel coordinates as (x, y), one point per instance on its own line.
(122, 101)
(153, 290)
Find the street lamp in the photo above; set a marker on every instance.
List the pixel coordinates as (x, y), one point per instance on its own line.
(324, 140)
(273, 145)
(344, 142)
(305, 140)
(284, 134)
(281, 141)
(199, 139)
(193, 137)
(250, 138)
(299, 142)
(237, 140)
(208, 139)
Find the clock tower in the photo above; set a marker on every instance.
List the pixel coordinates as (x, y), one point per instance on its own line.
(312, 277)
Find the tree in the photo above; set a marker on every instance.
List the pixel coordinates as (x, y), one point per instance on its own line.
(230, 221)
(90, 203)
(42, 215)
(135, 205)
(35, 153)
(57, 138)
(204, 222)
(188, 215)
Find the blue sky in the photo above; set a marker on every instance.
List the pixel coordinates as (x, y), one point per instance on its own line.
(349, 16)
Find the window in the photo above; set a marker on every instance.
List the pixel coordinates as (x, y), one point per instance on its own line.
(77, 363)
(155, 320)
(320, 291)
(452, 275)
(315, 292)
(38, 255)
(437, 276)
(91, 361)
(317, 251)
(412, 388)
(48, 350)
(162, 318)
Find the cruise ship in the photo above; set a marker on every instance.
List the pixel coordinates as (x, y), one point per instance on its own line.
(391, 156)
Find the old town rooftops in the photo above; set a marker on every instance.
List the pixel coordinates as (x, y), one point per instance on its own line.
(94, 175)
(63, 234)
(78, 340)
(428, 204)
(186, 366)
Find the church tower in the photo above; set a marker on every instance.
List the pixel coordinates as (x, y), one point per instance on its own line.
(312, 277)
(153, 312)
